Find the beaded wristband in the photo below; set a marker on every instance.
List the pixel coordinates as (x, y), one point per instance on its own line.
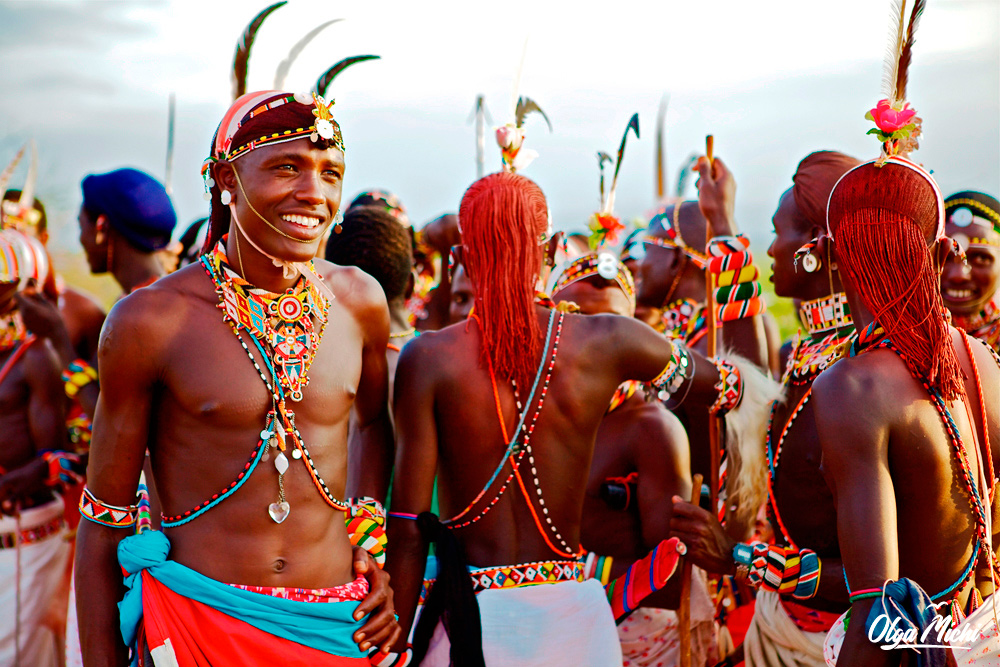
(597, 567)
(674, 373)
(738, 292)
(77, 376)
(725, 245)
(62, 469)
(111, 516)
(365, 518)
(729, 312)
(390, 659)
(731, 262)
(745, 274)
(786, 571)
(729, 386)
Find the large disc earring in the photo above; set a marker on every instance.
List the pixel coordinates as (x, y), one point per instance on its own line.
(810, 262)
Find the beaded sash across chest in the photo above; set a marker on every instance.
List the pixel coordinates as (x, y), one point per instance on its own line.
(286, 329)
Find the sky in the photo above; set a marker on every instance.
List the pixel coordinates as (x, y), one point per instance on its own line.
(772, 80)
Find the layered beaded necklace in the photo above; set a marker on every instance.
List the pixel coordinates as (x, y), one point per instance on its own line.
(286, 329)
(830, 329)
(12, 330)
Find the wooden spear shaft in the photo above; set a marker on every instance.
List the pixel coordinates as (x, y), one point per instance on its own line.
(684, 612)
(713, 423)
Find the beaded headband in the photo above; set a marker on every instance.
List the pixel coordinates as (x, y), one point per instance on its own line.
(964, 214)
(602, 264)
(674, 238)
(253, 105)
(903, 162)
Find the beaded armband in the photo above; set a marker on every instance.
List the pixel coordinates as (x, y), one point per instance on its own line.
(729, 386)
(792, 572)
(379, 659)
(737, 293)
(597, 567)
(365, 519)
(111, 516)
(65, 470)
(77, 376)
(674, 373)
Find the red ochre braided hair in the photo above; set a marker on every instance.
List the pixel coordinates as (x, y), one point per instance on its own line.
(504, 219)
(885, 222)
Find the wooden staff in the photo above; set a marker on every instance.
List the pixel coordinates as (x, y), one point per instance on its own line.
(684, 612)
(713, 422)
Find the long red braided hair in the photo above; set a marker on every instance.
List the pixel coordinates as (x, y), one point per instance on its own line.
(884, 222)
(504, 218)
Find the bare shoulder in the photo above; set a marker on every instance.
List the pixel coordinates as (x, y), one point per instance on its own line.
(138, 320)
(656, 427)
(41, 358)
(854, 379)
(357, 290)
(82, 302)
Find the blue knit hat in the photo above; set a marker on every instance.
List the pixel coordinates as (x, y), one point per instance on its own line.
(135, 204)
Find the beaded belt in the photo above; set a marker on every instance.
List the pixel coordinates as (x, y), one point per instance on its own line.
(30, 535)
(517, 576)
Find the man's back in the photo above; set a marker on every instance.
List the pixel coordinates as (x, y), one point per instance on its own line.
(587, 370)
(932, 519)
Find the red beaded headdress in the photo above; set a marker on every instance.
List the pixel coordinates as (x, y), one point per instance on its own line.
(884, 217)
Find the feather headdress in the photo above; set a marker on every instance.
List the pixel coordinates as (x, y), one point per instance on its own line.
(241, 60)
(324, 81)
(22, 214)
(604, 225)
(896, 124)
(285, 65)
(510, 137)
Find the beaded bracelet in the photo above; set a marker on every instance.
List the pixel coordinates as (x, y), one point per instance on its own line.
(729, 312)
(786, 571)
(729, 386)
(726, 245)
(598, 567)
(674, 373)
(105, 514)
(77, 376)
(738, 292)
(63, 469)
(365, 518)
(391, 659)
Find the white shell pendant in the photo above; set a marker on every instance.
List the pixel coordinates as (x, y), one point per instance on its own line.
(279, 511)
(281, 462)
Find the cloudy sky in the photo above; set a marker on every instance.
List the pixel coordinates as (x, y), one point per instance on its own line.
(773, 80)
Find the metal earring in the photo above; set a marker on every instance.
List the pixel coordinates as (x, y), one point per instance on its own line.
(226, 197)
(337, 222)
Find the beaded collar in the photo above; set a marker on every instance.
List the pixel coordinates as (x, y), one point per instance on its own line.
(283, 328)
(12, 330)
(289, 325)
(826, 314)
(985, 326)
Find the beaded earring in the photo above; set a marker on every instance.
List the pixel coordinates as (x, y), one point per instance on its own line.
(810, 262)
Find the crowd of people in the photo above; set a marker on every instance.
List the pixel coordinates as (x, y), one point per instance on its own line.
(316, 433)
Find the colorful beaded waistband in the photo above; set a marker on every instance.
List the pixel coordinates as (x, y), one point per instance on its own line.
(31, 535)
(518, 576)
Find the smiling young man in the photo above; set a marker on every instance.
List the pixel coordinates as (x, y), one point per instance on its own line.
(238, 374)
(969, 285)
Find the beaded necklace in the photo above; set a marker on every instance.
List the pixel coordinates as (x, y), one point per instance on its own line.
(830, 319)
(684, 319)
(514, 445)
(985, 326)
(271, 319)
(290, 325)
(12, 330)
